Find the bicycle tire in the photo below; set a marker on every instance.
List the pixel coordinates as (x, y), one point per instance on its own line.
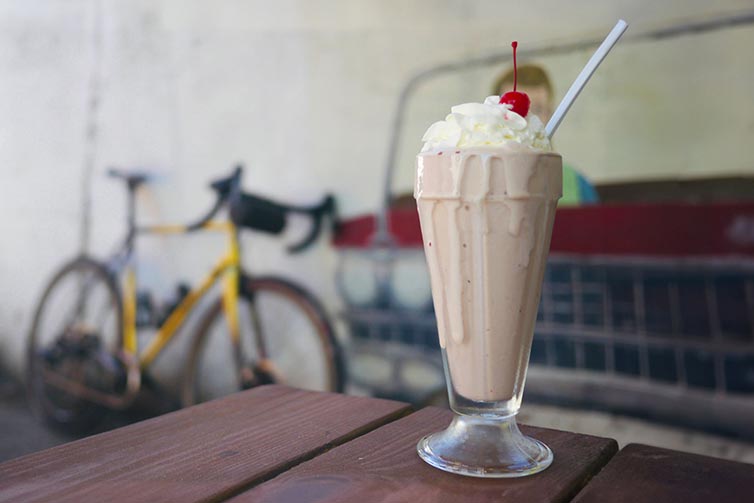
(253, 288)
(85, 415)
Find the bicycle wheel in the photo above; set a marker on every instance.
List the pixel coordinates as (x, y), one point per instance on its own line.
(78, 318)
(292, 330)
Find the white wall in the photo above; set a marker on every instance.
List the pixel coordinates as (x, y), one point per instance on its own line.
(302, 92)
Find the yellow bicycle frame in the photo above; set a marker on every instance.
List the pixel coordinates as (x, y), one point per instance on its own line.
(228, 267)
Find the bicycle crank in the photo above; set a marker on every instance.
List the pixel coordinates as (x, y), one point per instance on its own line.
(263, 372)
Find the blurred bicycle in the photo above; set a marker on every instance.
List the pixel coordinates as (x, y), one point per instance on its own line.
(83, 353)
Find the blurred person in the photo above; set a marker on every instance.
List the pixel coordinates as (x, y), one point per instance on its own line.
(534, 81)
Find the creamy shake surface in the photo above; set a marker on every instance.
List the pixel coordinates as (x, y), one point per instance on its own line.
(487, 185)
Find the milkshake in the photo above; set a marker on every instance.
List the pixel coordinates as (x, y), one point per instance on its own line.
(486, 214)
(487, 185)
(486, 188)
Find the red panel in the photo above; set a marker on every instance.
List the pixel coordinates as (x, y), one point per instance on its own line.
(675, 229)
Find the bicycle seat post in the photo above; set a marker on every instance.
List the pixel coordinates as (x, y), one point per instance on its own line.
(132, 186)
(133, 180)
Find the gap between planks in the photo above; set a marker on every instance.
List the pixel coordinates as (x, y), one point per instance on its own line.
(271, 474)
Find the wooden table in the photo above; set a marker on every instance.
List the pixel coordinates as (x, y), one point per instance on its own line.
(279, 444)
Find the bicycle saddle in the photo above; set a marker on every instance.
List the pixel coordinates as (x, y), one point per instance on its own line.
(132, 178)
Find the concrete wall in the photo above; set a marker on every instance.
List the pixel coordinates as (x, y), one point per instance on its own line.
(303, 92)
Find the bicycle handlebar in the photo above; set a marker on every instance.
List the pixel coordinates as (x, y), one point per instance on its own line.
(318, 213)
(228, 190)
(219, 202)
(225, 186)
(224, 189)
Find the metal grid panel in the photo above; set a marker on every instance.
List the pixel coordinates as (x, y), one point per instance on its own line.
(689, 325)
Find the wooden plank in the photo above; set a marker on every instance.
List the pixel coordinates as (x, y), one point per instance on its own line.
(640, 473)
(208, 451)
(383, 466)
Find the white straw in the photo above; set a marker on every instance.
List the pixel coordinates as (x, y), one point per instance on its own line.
(584, 77)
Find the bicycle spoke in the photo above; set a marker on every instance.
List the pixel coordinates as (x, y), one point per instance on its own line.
(79, 307)
(297, 361)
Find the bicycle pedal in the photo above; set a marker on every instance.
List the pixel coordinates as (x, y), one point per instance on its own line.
(248, 378)
(263, 377)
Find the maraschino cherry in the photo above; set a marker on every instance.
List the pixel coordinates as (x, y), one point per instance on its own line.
(519, 101)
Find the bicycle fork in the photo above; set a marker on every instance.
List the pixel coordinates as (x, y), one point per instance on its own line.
(250, 373)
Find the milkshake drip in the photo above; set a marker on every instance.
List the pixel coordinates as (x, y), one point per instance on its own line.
(486, 216)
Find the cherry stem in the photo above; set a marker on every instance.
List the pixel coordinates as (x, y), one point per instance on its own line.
(514, 44)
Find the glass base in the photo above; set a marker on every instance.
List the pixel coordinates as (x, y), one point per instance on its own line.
(481, 447)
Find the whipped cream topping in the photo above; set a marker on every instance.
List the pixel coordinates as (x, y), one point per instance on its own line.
(489, 123)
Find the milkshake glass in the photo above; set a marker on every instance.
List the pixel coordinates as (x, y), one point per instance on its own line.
(486, 214)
